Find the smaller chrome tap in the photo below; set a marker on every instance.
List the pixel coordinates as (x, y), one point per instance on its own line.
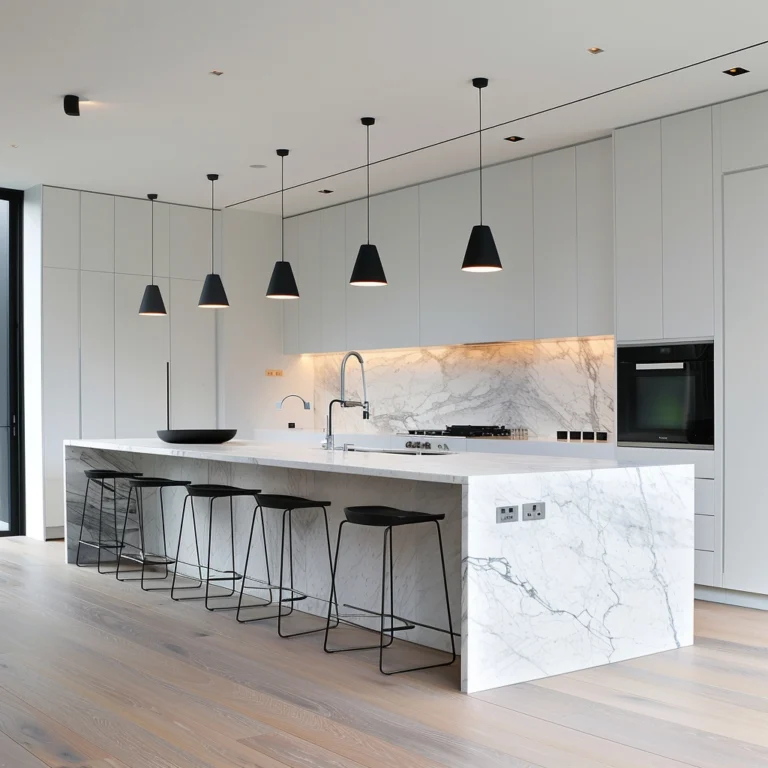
(280, 404)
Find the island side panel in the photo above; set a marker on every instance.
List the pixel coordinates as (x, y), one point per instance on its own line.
(606, 576)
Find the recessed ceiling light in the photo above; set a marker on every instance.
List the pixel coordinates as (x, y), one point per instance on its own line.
(216, 72)
(325, 191)
(13, 146)
(515, 138)
(257, 166)
(735, 71)
(595, 50)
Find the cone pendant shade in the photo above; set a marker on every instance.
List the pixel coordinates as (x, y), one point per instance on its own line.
(152, 302)
(481, 254)
(368, 269)
(282, 285)
(213, 295)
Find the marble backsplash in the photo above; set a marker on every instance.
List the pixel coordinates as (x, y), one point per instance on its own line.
(542, 385)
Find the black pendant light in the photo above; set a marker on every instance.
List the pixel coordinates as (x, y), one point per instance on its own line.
(213, 295)
(152, 303)
(368, 270)
(481, 254)
(282, 284)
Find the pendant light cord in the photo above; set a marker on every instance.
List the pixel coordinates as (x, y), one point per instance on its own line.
(212, 183)
(282, 208)
(152, 235)
(368, 179)
(480, 137)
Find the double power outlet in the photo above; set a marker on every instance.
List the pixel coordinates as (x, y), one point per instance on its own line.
(532, 511)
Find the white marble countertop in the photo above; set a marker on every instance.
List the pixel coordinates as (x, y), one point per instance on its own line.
(455, 468)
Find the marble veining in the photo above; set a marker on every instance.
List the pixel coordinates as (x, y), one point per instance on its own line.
(543, 385)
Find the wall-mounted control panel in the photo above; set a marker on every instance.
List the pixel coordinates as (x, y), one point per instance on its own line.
(509, 514)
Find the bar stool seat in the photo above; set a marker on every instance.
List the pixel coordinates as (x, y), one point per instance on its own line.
(114, 545)
(140, 555)
(380, 516)
(288, 504)
(211, 492)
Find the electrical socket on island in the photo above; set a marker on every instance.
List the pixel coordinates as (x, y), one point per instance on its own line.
(534, 511)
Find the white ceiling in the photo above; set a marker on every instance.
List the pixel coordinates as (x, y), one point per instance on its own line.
(300, 74)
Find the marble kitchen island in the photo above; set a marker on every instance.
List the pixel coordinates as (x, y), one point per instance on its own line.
(606, 575)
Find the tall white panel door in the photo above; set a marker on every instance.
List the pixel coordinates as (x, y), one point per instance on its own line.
(333, 278)
(745, 321)
(637, 197)
(308, 271)
(688, 244)
(388, 317)
(193, 357)
(291, 306)
(141, 351)
(190, 242)
(97, 232)
(61, 228)
(554, 238)
(594, 210)
(745, 132)
(97, 353)
(61, 380)
(133, 243)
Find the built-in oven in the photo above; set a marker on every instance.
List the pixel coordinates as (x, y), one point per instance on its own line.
(665, 395)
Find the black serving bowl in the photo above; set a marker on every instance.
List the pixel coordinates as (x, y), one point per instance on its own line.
(196, 436)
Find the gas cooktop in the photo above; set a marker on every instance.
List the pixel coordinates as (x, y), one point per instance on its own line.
(463, 430)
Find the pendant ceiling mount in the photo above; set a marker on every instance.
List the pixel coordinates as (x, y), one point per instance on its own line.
(368, 270)
(213, 295)
(152, 304)
(481, 254)
(282, 284)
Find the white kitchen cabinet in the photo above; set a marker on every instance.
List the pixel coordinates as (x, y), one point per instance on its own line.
(704, 568)
(638, 220)
(190, 242)
(291, 306)
(594, 213)
(333, 277)
(385, 317)
(687, 215)
(745, 326)
(308, 273)
(97, 354)
(141, 351)
(61, 380)
(133, 243)
(745, 133)
(97, 232)
(704, 532)
(555, 251)
(61, 228)
(705, 497)
(193, 357)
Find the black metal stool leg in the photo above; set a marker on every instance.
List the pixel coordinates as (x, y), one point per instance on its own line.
(233, 575)
(257, 510)
(125, 526)
(174, 588)
(82, 524)
(101, 515)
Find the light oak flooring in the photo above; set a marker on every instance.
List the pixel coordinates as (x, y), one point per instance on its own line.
(98, 674)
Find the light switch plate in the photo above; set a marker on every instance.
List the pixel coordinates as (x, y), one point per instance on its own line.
(509, 514)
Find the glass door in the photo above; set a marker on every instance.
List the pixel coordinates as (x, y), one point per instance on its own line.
(11, 467)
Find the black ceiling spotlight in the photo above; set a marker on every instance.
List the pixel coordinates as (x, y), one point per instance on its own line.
(282, 284)
(481, 254)
(213, 295)
(368, 270)
(72, 105)
(152, 304)
(735, 71)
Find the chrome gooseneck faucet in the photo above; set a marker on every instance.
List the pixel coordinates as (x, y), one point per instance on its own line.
(342, 400)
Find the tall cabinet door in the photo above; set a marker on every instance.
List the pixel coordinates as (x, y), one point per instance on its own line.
(291, 306)
(385, 317)
(554, 237)
(333, 279)
(310, 282)
(688, 240)
(637, 196)
(745, 323)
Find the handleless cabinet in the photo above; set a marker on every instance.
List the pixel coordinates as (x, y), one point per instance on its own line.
(291, 306)
(97, 232)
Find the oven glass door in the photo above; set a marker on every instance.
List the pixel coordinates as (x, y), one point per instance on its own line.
(666, 403)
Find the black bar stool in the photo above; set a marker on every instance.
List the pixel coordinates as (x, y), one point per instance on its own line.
(212, 493)
(288, 505)
(102, 477)
(389, 518)
(140, 555)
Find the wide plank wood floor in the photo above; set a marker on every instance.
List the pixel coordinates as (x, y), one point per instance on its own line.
(98, 674)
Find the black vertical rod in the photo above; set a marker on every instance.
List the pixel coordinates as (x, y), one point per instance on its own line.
(282, 207)
(152, 229)
(168, 395)
(212, 183)
(480, 137)
(368, 179)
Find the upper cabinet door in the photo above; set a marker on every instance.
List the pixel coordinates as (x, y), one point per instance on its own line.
(97, 232)
(594, 208)
(190, 243)
(385, 317)
(555, 249)
(291, 306)
(332, 251)
(688, 240)
(637, 190)
(133, 246)
(310, 283)
(744, 134)
(61, 228)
